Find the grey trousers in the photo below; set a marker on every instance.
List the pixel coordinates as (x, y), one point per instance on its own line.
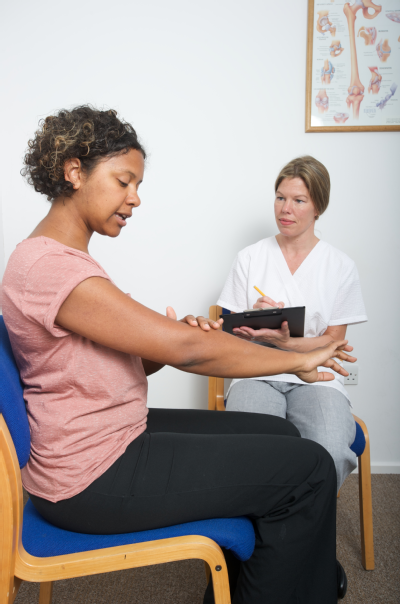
(320, 413)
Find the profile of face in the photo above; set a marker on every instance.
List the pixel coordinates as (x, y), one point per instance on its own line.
(295, 212)
(104, 199)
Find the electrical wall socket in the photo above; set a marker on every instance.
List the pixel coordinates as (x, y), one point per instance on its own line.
(352, 378)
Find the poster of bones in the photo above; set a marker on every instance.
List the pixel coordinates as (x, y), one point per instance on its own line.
(353, 66)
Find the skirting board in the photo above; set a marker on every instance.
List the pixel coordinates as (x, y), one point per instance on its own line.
(388, 467)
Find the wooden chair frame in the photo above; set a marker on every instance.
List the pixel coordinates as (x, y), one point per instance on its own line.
(16, 565)
(216, 402)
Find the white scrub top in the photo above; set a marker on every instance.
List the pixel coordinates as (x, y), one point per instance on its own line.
(326, 283)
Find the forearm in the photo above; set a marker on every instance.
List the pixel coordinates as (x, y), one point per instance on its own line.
(223, 355)
(306, 344)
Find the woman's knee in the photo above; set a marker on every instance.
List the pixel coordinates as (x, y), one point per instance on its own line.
(324, 460)
(344, 459)
(256, 396)
(261, 423)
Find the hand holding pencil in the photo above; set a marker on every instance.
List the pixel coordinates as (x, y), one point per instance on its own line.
(266, 301)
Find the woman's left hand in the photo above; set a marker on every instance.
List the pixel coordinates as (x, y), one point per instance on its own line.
(277, 337)
(202, 322)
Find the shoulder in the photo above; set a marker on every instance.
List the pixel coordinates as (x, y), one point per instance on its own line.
(44, 257)
(335, 257)
(260, 247)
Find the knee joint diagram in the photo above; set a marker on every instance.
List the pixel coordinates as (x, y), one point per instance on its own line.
(327, 72)
(341, 118)
(375, 81)
(322, 101)
(383, 50)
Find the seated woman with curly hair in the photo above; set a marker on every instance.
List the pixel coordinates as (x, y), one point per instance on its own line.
(101, 461)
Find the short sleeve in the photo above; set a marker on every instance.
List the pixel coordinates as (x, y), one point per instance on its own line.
(234, 294)
(349, 304)
(50, 281)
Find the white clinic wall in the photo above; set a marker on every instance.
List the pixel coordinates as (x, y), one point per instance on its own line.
(216, 91)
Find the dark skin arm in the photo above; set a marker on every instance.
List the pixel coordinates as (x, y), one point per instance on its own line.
(281, 337)
(151, 367)
(99, 311)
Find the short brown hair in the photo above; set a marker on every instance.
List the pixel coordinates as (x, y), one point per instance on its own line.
(84, 132)
(314, 175)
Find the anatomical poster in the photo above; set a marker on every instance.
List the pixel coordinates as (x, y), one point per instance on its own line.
(353, 66)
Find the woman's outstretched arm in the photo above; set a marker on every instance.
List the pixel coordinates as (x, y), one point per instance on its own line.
(99, 311)
(282, 339)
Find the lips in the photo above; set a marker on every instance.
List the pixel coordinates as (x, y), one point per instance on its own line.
(121, 218)
(286, 222)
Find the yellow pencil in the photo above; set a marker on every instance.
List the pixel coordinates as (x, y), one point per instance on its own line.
(259, 291)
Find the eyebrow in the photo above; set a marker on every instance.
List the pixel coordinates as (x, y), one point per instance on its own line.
(131, 173)
(301, 195)
(127, 171)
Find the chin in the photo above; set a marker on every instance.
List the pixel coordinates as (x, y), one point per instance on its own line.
(109, 233)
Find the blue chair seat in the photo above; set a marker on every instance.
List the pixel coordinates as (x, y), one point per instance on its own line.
(42, 539)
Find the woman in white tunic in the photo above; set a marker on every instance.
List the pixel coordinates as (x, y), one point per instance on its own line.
(295, 268)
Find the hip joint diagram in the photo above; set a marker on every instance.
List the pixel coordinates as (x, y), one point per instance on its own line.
(323, 23)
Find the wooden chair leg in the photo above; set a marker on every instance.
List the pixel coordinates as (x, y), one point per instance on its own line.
(221, 584)
(365, 494)
(367, 530)
(46, 592)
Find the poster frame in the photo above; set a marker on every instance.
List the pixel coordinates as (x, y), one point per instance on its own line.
(336, 128)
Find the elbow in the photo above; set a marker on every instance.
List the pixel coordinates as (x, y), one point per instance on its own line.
(187, 360)
(189, 356)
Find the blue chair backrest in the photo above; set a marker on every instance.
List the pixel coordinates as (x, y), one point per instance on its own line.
(12, 404)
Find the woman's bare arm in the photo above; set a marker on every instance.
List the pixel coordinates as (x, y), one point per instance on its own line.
(151, 367)
(98, 310)
(282, 339)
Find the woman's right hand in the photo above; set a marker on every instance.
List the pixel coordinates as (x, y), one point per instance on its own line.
(324, 357)
(267, 302)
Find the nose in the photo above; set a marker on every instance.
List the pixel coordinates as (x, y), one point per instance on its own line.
(133, 199)
(286, 208)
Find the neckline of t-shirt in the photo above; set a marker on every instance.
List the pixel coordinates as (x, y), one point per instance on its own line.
(55, 242)
(306, 260)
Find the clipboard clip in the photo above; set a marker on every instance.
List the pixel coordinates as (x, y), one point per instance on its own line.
(264, 312)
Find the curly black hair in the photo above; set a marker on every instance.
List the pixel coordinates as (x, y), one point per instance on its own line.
(85, 133)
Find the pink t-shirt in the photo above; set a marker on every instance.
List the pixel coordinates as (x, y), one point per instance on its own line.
(85, 402)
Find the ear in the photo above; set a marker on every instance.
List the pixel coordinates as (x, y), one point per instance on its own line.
(73, 172)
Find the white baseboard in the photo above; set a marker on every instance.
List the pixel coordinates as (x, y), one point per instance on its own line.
(384, 467)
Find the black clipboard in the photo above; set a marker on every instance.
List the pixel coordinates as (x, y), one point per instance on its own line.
(270, 318)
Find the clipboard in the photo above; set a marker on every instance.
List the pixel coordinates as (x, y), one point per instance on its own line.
(270, 318)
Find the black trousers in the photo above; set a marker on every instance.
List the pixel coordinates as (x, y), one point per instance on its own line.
(192, 465)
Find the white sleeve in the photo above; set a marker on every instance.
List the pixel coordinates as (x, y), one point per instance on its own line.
(349, 304)
(234, 294)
